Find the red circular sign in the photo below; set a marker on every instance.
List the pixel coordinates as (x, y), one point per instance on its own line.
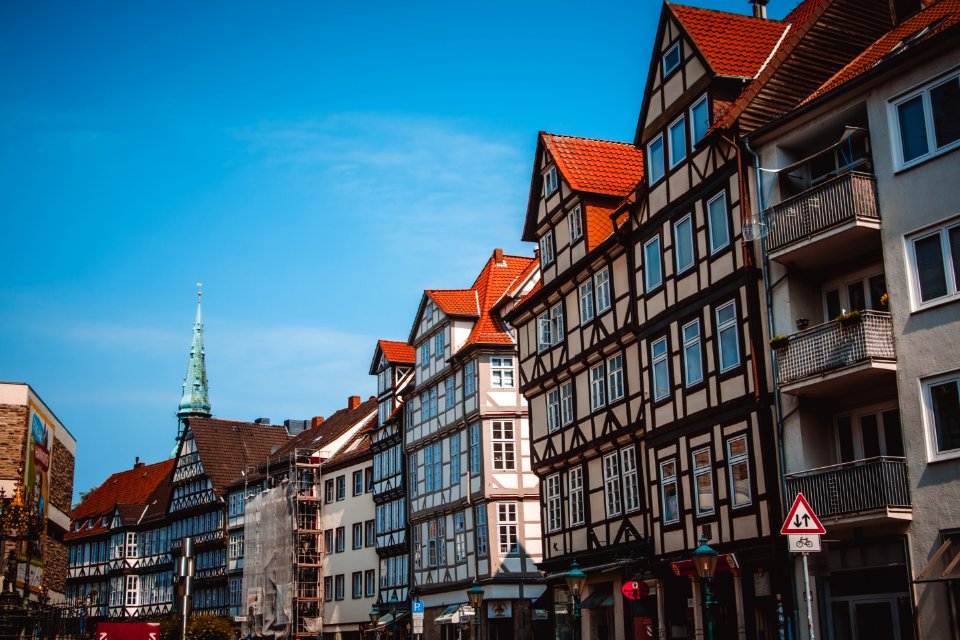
(635, 590)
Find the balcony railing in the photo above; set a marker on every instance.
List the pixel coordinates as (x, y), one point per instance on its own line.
(848, 197)
(853, 487)
(836, 344)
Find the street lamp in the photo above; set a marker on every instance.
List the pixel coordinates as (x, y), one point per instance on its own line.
(705, 560)
(374, 618)
(576, 581)
(475, 597)
(393, 615)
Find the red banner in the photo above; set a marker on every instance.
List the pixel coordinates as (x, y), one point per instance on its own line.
(41, 456)
(128, 631)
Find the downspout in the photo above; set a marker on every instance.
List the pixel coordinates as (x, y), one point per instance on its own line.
(778, 405)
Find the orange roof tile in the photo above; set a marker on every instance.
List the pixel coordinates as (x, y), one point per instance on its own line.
(493, 282)
(599, 226)
(596, 166)
(397, 352)
(130, 487)
(734, 44)
(939, 15)
(455, 302)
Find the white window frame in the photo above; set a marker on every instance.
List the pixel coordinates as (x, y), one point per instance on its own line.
(553, 502)
(692, 351)
(507, 528)
(934, 454)
(601, 289)
(694, 138)
(666, 54)
(501, 372)
(598, 391)
(631, 480)
(668, 477)
(575, 510)
(503, 444)
(897, 138)
(686, 237)
(736, 460)
(551, 181)
(575, 223)
(553, 410)
(547, 249)
(585, 296)
(649, 284)
(658, 167)
(659, 364)
(726, 328)
(615, 386)
(716, 243)
(952, 279)
(680, 124)
(550, 327)
(703, 470)
(566, 403)
(612, 502)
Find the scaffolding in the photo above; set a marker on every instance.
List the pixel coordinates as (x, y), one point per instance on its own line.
(283, 564)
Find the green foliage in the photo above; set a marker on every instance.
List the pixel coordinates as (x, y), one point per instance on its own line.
(210, 628)
(169, 626)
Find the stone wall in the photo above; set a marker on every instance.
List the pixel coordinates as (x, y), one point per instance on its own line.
(55, 565)
(13, 427)
(61, 477)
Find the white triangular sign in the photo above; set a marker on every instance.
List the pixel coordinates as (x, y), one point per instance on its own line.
(802, 519)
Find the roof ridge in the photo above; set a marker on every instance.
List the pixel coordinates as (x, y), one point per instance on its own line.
(728, 13)
(587, 138)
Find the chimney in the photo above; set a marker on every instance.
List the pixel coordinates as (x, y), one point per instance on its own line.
(137, 464)
(353, 402)
(263, 421)
(498, 256)
(759, 8)
(316, 422)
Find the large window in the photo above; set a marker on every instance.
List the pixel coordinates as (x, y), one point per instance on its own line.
(927, 121)
(655, 159)
(507, 528)
(575, 513)
(692, 354)
(738, 468)
(728, 341)
(553, 502)
(703, 481)
(678, 141)
(566, 402)
(652, 268)
(941, 399)
(611, 485)
(575, 224)
(719, 222)
(935, 257)
(699, 119)
(546, 248)
(669, 499)
(553, 410)
(660, 369)
(501, 372)
(683, 243)
(504, 446)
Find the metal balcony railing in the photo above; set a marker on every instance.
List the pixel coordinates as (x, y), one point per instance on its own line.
(850, 196)
(853, 487)
(836, 344)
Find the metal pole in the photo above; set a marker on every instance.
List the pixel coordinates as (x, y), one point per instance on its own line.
(806, 596)
(185, 571)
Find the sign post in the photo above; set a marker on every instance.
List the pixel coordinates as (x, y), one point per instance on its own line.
(416, 613)
(804, 530)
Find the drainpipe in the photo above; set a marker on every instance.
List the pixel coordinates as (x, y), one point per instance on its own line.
(768, 291)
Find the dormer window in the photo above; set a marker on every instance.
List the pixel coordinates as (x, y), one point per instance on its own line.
(671, 59)
(546, 248)
(550, 182)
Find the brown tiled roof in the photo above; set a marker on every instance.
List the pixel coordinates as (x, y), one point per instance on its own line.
(316, 438)
(936, 17)
(131, 491)
(228, 447)
(397, 352)
(357, 447)
(734, 44)
(596, 166)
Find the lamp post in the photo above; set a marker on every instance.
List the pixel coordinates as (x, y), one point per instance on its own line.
(705, 560)
(374, 619)
(576, 581)
(475, 597)
(393, 615)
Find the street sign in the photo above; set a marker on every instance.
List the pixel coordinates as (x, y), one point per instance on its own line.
(804, 543)
(635, 590)
(417, 607)
(418, 625)
(417, 615)
(801, 519)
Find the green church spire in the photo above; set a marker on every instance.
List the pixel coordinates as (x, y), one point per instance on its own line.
(195, 400)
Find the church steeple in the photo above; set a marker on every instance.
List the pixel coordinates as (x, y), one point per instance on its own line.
(195, 400)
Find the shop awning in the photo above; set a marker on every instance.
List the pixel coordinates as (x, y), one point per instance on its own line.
(454, 614)
(944, 565)
(601, 596)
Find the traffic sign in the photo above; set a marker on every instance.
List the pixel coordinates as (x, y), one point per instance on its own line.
(635, 590)
(416, 606)
(804, 543)
(802, 519)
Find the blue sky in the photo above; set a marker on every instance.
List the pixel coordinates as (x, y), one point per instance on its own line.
(315, 164)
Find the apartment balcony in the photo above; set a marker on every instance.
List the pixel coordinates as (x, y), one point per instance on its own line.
(838, 356)
(871, 490)
(823, 224)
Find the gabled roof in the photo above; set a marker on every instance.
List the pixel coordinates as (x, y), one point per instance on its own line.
(397, 352)
(933, 19)
(357, 447)
(496, 279)
(228, 447)
(455, 302)
(316, 438)
(733, 44)
(133, 487)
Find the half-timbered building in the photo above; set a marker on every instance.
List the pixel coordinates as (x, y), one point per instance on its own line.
(473, 500)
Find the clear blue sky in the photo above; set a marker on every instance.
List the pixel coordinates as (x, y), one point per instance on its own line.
(315, 164)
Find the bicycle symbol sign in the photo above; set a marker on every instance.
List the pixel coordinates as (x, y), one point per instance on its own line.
(804, 543)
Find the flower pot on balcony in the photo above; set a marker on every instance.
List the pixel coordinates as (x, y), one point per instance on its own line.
(851, 319)
(779, 342)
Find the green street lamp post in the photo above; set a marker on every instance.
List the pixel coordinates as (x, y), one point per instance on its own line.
(705, 560)
(576, 581)
(475, 597)
(375, 618)
(394, 604)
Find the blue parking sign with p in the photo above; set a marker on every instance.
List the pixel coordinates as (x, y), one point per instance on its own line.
(417, 606)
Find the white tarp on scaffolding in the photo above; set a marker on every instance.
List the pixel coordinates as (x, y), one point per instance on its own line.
(268, 563)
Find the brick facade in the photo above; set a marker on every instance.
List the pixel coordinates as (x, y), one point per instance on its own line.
(55, 565)
(13, 426)
(61, 477)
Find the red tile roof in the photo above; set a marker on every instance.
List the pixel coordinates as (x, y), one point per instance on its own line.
(228, 447)
(397, 352)
(131, 487)
(496, 279)
(596, 166)
(356, 448)
(455, 302)
(939, 15)
(733, 44)
(598, 223)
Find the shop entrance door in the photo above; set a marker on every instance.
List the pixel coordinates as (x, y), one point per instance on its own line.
(873, 618)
